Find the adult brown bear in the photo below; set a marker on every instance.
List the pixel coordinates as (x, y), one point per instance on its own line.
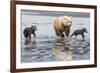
(28, 31)
(62, 25)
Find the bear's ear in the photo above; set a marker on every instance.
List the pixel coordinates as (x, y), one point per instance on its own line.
(68, 17)
(65, 16)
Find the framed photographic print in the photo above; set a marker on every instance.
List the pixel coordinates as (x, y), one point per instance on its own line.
(52, 36)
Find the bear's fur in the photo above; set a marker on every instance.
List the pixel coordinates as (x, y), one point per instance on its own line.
(62, 25)
(28, 31)
(79, 32)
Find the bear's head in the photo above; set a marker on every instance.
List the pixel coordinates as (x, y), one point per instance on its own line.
(67, 21)
(33, 27)
(84, 30)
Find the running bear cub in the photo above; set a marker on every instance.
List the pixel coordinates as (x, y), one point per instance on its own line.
(79, 32)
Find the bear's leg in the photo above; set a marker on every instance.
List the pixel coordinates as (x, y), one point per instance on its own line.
(71, 35)
(29, 37)
(62, 35)
(26, 41)
(83, 36)
(67, 32)
(26, 36)
(58, 34)
(75, 36)
(34, 35)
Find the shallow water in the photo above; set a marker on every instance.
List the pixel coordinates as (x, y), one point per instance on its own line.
(41, 50)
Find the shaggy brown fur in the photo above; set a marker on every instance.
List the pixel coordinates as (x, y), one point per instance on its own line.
(62, 25)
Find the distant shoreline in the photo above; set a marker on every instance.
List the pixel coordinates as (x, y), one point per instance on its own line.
(54, 13)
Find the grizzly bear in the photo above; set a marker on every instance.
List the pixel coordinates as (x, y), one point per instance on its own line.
(79, 32)
(28, 31)
(62, 26)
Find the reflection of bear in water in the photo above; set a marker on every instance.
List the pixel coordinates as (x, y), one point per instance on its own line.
(62, 25)
(62, 52)
(28, 31)
(79, 32)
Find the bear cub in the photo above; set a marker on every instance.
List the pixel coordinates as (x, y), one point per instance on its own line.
(28, 31)
(79, 32)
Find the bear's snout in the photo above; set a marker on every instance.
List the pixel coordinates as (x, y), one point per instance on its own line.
(67, 26)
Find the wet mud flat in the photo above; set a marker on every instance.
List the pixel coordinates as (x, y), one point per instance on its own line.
(41, 49)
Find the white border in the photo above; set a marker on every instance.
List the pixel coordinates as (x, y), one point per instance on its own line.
(51, 64)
